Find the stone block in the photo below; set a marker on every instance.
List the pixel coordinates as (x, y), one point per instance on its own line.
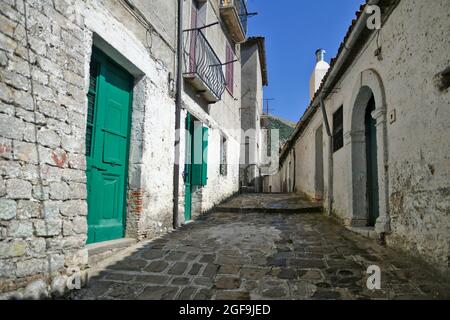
(10, 169)
(52, 209)
(227, 282)
(20, 229)
(51, 174)
(78, 259)
(37, 247)
(60, 191)
(70, 175)
(53, 110)
(80, 225)
(74, 208)
(7, 269)
(48, 138)
(16, 248)
(25, 151)
(27, 209)
(56, 262)
(48, 227)
(30, 172)
(78, 191)
(41, 192)
(32, 118)
(8, 209)
(77, 161)
(73, 144)
(11, 127)
(67, 228)
(31, 267)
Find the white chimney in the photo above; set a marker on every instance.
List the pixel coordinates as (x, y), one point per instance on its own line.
(319, 72)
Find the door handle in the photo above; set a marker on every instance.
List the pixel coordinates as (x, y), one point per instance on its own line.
(97, 168)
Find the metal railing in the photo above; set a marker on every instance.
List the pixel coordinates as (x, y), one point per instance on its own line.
(201, 60)
(241, 8)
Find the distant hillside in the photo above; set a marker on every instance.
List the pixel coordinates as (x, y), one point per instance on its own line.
(272, 122)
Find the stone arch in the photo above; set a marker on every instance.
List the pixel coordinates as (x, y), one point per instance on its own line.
(369, 84)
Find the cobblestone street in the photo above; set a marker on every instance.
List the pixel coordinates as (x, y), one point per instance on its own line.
(262, 256)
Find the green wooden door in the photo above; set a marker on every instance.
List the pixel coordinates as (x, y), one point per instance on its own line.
(107, 144)
(196, 167)
(372, 164)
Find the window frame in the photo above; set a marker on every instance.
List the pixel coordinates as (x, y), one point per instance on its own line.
(229, 68)
(223, 168)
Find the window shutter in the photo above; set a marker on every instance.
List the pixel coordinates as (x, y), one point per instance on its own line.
(205, 157)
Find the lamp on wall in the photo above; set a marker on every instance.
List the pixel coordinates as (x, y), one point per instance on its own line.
(171, 83)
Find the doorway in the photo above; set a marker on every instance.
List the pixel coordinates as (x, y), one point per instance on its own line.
(196, 162)
(107, 147)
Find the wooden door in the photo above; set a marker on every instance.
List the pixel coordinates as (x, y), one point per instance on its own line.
(107, 144)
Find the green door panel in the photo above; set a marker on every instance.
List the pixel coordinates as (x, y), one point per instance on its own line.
(107, 158)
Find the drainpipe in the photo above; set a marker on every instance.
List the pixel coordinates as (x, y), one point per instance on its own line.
(178, 103)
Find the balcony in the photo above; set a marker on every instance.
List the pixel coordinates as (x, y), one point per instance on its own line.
(203, 68)
(234, 14)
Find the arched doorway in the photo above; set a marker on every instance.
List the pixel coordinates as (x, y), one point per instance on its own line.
(368, 194)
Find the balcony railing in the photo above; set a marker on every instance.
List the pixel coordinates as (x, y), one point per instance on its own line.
(202, 66)
(235, 15)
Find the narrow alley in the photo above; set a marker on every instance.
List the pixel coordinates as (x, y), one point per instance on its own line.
(232, 255)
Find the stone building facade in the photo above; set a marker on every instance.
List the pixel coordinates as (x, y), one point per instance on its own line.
(383, 167)
(59, 60)
(254, 75)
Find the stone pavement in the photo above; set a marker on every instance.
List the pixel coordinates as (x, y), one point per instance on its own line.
(227, 255)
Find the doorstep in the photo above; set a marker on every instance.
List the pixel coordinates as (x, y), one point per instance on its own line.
(97, 252)
(367, 232)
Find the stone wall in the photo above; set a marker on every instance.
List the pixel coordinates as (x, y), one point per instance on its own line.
(412, 131)
(44, 72)
(42, 126)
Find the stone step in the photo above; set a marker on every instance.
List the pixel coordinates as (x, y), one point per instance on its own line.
(270, 203)
(311, 209)
(248, 189)
(98, 252)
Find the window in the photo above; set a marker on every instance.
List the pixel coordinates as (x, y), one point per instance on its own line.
(338, 129)
(229, 72)
(223, 156)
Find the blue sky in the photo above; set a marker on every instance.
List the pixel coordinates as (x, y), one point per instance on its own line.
(294, 30)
